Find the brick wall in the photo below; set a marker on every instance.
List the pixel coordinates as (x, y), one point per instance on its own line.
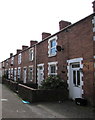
(77, 41)
(35, 95)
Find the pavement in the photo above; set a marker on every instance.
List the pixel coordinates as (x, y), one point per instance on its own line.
(13, 107)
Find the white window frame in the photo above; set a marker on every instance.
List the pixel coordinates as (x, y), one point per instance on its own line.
(49, 46)
(12, 73)
(31, 51)
(25, 80)
(49, 68)
(19, 58)
(12, 60)
(9, 72)
(19, 72)
(29, 73)
(15, 74)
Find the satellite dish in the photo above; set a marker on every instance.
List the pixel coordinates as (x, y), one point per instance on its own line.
(58, 48)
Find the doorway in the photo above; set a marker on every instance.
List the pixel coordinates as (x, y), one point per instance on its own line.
(24, 74)
(40, 74)
(75, 78)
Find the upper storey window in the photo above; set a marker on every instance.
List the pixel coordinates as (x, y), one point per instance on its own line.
(31, 54)
(52, 43)
(7, 63)
(12, 60)
(19, 58)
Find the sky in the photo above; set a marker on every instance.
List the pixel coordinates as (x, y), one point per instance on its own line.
(25, 20)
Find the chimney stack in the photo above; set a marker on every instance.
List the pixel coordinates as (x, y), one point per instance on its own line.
(63, 24)
(24, 47)
(33, 43)
(45, 35)
(11, 54)
(93, 6)
(18, 51)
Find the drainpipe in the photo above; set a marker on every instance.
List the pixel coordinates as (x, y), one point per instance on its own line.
(35, 64)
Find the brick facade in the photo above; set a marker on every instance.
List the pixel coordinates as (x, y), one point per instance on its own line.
(77, 41)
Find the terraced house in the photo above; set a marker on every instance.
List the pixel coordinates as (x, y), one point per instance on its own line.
(69, 53)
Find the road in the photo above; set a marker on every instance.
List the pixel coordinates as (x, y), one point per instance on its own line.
(13, 107)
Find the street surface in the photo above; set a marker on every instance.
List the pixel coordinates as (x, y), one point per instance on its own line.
(13, 107)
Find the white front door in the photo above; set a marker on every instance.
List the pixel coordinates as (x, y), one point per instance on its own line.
(15, 74)
(75, 81)
(40, 75)
(9, 74)
(24, 74)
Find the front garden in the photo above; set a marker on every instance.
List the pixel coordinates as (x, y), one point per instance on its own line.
(51, 89)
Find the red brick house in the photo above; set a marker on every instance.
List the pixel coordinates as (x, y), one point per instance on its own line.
(69, 53)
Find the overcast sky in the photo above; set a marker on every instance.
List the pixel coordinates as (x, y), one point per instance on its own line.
(25, 20)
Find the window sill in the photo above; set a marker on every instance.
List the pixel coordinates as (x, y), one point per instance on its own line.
(52, 55)
(19, 63)
(31, 60)
(52, 73)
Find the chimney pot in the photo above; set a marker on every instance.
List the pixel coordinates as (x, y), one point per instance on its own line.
(24, 47)
(33, 43)
(45, 35)
(63, 24)
(11, 54)
(18, 51)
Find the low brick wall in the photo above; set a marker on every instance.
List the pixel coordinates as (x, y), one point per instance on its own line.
(36, 95)
(32, 85)
(5, 81)
(13, 86)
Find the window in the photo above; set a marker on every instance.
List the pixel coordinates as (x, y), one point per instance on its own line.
(12, 60)
(52, 68)
(31, 73)
(76, 77)
(75, 65)
(19, 71)
(15, 73)
(52, 46)
(31, 54)
(19, 58)
(7, 63)
(9, 73)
